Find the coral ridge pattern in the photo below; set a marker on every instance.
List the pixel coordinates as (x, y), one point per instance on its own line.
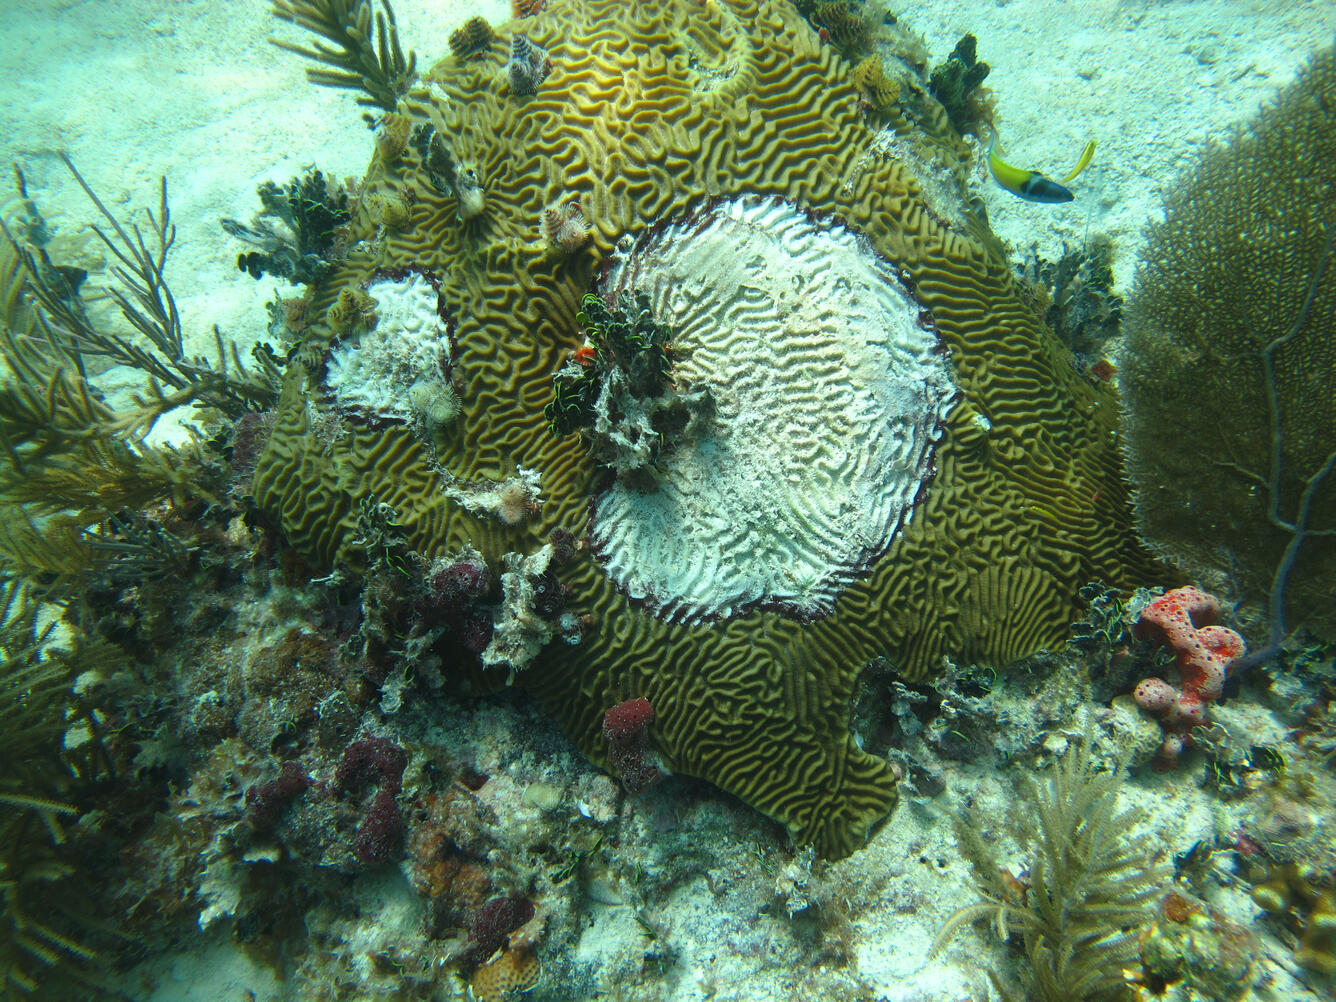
(647, 113)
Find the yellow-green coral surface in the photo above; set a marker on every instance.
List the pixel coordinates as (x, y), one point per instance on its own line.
(650, 110)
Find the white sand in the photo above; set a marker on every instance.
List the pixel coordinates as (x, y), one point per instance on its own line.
(192, 90)
(189, 89)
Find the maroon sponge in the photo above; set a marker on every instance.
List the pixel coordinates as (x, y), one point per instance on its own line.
(493, 922)
(626, 726)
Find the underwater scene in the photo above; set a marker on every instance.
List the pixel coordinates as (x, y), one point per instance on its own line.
(737, 500)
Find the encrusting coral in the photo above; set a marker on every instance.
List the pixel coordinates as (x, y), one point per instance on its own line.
(1192, 946)
(1023, 509)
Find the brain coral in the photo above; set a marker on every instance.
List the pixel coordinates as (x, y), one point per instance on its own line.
(1226, 273)
(649, 112)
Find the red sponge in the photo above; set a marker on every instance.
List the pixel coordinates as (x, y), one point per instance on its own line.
(1183, 620)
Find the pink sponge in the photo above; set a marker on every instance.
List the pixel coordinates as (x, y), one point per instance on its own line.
(1183, 620)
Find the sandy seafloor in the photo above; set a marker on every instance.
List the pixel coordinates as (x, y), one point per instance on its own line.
(191, 89)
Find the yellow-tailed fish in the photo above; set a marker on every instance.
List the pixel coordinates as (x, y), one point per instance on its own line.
(1030, 184)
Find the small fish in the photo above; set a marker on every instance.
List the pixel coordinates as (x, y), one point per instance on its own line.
(1030, 184)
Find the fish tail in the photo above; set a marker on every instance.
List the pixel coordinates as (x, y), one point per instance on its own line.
(1086, 156)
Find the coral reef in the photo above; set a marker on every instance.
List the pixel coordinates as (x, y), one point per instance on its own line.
(1183, 621)
(511, 975)
(1306, 902)
(1229, 370)
(1020, 512)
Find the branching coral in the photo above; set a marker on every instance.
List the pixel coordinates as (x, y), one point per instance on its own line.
(141, 293)
(76, 472)
(1090, 885)
(367, 56)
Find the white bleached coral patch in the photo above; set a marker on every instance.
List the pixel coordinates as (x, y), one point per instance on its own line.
(522, 625)
(400, 369)
(829, 385)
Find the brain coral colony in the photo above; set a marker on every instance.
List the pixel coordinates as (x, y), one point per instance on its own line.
(857, 439)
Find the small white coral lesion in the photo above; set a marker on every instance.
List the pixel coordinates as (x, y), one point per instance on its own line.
(405, 343)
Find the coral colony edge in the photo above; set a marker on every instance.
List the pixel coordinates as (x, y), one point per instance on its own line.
(652, 471)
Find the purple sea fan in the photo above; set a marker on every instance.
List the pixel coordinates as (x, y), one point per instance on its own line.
(528, 66)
